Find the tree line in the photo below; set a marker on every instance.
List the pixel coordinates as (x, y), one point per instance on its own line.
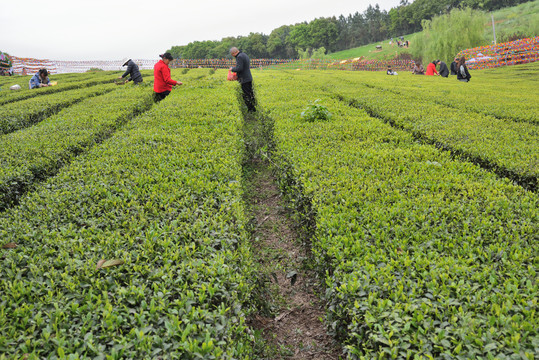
(335, 33)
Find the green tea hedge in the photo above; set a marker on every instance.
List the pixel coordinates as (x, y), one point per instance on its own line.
(424, 256)
(25, 93)
(164, 196)
(21, 114)
(510, 148)
(510, 96)
(35, 153)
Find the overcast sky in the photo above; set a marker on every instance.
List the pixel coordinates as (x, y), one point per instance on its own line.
(112, 30)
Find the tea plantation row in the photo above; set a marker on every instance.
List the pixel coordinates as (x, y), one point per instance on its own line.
(163, 195)
(507, 95)
(424, 256)
(7, 96)
(510, 148)
(20, 114)
(63, 78)
(37, 152)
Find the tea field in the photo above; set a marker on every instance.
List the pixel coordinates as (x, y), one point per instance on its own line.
(124, 232)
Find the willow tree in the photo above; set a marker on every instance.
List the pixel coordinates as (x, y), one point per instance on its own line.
(444, 36)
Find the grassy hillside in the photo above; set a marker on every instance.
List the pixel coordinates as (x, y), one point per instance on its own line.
(514, 22)
(370, 52)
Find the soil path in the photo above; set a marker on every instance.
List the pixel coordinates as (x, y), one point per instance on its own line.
(294, 327)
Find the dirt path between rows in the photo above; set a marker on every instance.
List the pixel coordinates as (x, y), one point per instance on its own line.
(293, 326)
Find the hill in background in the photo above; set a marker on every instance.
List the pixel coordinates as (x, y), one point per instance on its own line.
(511, 23)
(332, 35)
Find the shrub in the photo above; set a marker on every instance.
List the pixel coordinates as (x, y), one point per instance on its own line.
(444, 36)
(315, 111)
(163, 196)
(424, 256)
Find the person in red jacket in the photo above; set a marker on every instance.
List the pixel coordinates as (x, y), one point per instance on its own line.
(162, 83)
(431, 68)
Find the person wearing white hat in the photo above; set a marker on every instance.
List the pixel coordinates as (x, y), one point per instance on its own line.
(132, 71)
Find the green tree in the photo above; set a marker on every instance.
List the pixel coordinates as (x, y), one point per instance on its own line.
(319, 53)
(222, 49)
(299, 37)
(176, 51)
(311, 53)
(323, 33)
(255, 45)
(444, 36)
(377, 23)
(277, 46)
(304, 54)
(198, 49)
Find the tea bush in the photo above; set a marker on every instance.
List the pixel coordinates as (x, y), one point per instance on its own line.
(20, 114)
(34, 153)
(424, 256)
(163, 195)
(510, 148)
(315, 111)
(76, 83)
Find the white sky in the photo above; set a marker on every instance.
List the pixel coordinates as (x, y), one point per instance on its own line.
(112, 30)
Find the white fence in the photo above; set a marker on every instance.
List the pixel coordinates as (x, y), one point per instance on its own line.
(29, 66)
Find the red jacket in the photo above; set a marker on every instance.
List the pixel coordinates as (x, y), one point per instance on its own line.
(431, 69)
(162, 81)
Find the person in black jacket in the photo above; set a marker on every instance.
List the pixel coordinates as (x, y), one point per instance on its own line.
(453, 66)
(244, 77)
(462, 71)
(418, 69)
(444, 71)
(132, 71)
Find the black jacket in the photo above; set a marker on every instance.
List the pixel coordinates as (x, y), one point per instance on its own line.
(242, 68)
(444, 71)
(460, 76)
(453, 67)
(133, 71)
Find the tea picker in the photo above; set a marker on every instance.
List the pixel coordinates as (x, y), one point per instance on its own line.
(40, 79)
(162, 83)
(132, 70)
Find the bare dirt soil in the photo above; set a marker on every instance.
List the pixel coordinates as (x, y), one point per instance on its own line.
(294, 329)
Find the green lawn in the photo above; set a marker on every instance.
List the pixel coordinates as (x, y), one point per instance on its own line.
(370, 52)
(522, 20)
